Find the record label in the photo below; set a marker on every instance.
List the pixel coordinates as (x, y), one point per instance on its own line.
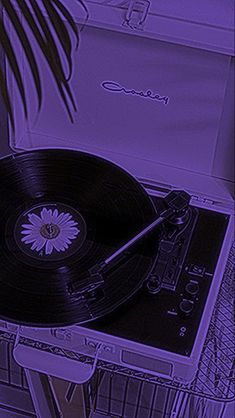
(50, 231)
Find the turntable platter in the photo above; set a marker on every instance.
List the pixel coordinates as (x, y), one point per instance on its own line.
(62, 212)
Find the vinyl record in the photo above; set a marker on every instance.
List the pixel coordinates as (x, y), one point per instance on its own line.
(62, 213)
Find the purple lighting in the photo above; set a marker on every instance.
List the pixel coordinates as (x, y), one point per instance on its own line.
(117, 246)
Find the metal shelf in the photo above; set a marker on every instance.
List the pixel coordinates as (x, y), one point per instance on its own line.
(15, 397)
(126, 397)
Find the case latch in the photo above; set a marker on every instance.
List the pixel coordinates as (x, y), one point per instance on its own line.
(136, 14)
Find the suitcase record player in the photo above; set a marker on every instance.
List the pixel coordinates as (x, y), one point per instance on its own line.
(160, 107)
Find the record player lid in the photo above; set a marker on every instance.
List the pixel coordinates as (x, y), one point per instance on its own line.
(216, 12)
(207, 24)
(183, 121)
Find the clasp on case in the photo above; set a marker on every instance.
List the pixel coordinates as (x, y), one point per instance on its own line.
(136, 14)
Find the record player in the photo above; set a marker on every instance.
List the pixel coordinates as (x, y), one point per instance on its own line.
(168, 126)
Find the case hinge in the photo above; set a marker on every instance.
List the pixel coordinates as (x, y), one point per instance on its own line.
(136, 14)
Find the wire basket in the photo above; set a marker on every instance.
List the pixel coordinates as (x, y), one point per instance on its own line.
(15, 395)
(10, 372)
(119, 396)
(216, 372)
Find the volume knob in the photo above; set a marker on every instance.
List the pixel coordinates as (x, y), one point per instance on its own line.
(154, 284)
(186, 306)
(192, 288)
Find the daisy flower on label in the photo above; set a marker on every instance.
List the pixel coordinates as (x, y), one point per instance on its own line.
(50, 231)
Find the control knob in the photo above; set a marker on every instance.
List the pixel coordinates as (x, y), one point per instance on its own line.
(192, 288)
(185, 308)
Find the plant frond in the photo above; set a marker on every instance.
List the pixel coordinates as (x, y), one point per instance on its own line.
(61, 32)
(6, 98)
(49, 49)
(13, 16)
(10, 54)
(43, 31)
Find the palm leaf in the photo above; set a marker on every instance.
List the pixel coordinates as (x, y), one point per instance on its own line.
(47, 32)
(5, 96)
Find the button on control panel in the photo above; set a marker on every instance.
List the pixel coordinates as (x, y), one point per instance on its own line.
(195, 270)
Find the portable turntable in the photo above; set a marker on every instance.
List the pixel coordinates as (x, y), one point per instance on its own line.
(167, 126)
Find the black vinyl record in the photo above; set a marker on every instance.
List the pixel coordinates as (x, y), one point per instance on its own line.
(62, 213)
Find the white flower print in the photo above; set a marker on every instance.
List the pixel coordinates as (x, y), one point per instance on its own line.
(51, 231)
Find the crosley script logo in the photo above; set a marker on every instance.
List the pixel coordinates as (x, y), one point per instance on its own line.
(114, 87)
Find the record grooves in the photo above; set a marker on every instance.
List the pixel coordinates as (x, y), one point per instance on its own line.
(62, 212)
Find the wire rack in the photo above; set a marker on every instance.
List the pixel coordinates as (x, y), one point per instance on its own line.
(119, 396)
(10, 372)
(15, 396)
